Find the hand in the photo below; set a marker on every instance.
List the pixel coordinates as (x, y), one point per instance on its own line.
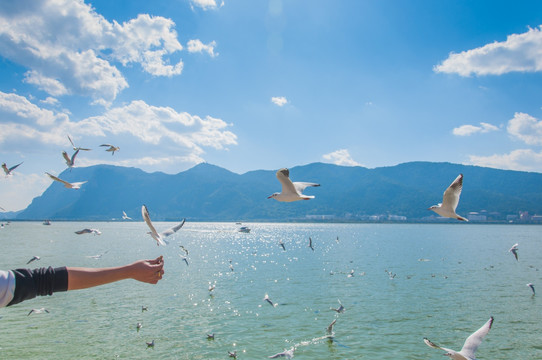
(149, 271)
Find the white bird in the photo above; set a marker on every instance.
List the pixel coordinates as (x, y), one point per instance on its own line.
(33, 259)
(330, 327)
(159, 237)
(89, 231)
(532, 287)
(77, 148)
(7, 170)
(514, 250)
(470, 346)
(450, 199)
(70, 161)
(291, 191)
(111, 148)
(38, 311)
(288, 354)
(138, 326)
(281, 243)
(124, 216)
(266, 298)
(150, 344)
(211, 336)
(340, 309)
(75, 185)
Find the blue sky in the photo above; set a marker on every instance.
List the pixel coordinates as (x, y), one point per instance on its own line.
(249, 84)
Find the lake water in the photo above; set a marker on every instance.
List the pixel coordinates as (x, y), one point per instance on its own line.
(450, 279)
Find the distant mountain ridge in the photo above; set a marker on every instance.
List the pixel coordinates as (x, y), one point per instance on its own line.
(210, 193)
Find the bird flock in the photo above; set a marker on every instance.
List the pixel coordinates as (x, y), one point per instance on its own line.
(290, 192)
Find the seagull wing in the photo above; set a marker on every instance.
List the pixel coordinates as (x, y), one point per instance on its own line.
(147, 218)
(450, 199)
(84, 231)
(435, 346)
(59, 180)
(173, 230)
(67, 158)
(300, 186)
(15, 166)
(71, 141)
(107, 145)
(473, 341)
(283, 175)
(73, 156)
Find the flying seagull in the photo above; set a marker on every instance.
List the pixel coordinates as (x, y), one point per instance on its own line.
(266, 298)
(77, 148)
(450, 199)
(124, 216)
(138, 326)
(111, 148)
(89, 231)
(470, 346)
(291, 191)
(7, 170)
(310, 243)
(281, 243)
(329, 329)
(33, 259)
(514, 250)
(532, 287)
(288, 354)
(159, 237)
(38, 311)
(75, 185)
(70, 161)
(340, 309)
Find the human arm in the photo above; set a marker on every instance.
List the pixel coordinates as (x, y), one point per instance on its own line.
(149, 271)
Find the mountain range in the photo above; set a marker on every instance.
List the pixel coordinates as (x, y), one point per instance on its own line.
(210, 193)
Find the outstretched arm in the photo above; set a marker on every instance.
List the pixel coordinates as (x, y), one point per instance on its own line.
(149, 271)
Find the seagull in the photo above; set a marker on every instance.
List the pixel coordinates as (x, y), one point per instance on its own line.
(144, 308)
(33, 259)
(159, 237)
(291, 191)
(184, 249)
(99, 256)
(391, 274)
(340, 309)
(184, 259)
(138, 326)
(288, 354)
(125, 217)
(232, 354)
(514, 250)
(70, 161)
(281, 243)
(7, 170)
(532, 287)
(351, 273)
(75, 185)
(111, 148)
(310, 243)
(76, 148)
(89, 231)
(470, 346)
(211, 336)
(150, 344)
(450, 199)
(38, 311)
(266, 298)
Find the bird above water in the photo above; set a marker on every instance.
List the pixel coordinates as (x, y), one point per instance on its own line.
(159, 237)
(470, 346)
(450, 200)
(291, 191)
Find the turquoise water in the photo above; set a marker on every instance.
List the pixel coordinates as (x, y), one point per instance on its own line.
(468, 275)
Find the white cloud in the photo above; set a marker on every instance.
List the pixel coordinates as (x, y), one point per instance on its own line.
(207, 4)
(70, 49)
(153, 124)
(526, 128)
(196, 45)
(520, 52)
(467, 130)
(521, 159)
(146, 161)
(18, 190)
(279, 100)
(341, 157)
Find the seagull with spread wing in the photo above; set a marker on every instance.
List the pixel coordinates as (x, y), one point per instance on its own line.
(111, 148)
(76, 148)
(159, 237)
(470, 346)
(7, 170)
(70, 161)
(291, 191)
(450, 199)
(75, 185)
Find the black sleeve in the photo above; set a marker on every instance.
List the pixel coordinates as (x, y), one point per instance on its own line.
(38, 282)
